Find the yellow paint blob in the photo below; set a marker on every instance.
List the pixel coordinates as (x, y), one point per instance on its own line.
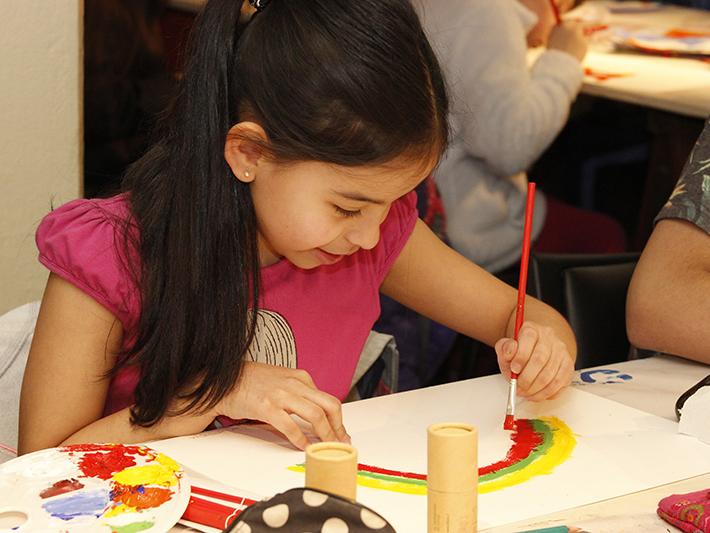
(146, 475)
(119, 509)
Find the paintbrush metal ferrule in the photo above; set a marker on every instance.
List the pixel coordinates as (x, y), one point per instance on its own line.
(512, 392)
(509, 422)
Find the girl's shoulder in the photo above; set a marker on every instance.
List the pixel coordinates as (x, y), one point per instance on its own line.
(84, 242)
(84, 225)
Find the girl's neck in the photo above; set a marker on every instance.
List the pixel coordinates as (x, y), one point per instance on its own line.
(267, 255)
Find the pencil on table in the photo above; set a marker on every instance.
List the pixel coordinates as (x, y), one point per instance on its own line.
(509, 422)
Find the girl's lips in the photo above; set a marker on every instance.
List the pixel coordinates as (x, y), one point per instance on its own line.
(327, 258)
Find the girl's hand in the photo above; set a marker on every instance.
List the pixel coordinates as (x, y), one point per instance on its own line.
(541, 360)
(569, 37)
(272, 393)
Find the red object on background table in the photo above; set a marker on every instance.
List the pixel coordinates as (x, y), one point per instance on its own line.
(556, 11)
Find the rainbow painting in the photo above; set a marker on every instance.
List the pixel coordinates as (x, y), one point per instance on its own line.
(539, 446)
(107, 488)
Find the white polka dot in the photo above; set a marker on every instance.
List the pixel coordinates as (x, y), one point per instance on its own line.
(334, 525)
(314, 499)
(276, 516)
(371, 520)
(242, 527)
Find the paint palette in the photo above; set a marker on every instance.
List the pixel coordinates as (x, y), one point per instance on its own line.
(670, 41)
(111, 488)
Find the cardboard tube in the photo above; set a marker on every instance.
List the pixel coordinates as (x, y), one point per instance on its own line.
(452, 478)
(332, 467)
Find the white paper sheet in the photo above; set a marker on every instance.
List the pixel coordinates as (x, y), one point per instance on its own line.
(619, 450)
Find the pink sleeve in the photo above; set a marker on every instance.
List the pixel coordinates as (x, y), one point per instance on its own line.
(395, 232)
(82, 243)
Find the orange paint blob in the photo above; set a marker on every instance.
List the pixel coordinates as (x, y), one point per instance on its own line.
(140, 497)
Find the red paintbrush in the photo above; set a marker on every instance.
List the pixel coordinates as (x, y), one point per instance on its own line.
(520, 308)
(556, 11)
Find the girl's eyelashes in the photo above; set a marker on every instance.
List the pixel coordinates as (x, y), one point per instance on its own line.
(347, 213)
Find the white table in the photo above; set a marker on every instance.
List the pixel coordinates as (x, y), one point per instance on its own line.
(669, 84)
(657, 382)
(653, 386)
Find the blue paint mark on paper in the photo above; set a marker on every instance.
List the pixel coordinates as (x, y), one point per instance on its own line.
(608, 376)
(86, 503)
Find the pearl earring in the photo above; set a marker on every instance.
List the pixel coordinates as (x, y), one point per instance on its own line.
(246, 173)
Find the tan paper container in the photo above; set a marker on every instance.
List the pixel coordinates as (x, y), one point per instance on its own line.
(452, 478)
(332, 467)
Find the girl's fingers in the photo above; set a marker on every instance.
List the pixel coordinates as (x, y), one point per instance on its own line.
(538, 361)
(527, 339)
(282, 422)
(505, 351)
(314, 415)
(546, 376)
(333, 410)
(271, 394)
(562, 377)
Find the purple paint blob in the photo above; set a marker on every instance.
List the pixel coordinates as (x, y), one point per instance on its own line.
(87, 503)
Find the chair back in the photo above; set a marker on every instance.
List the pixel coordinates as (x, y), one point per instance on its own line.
(590, 291)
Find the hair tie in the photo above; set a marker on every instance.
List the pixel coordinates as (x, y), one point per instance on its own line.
(258, 4)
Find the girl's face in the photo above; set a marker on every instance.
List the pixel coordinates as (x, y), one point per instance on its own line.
(315, 213)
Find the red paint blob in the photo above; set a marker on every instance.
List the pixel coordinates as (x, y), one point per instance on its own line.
(140, 497)
(104, 465)
(509, 422)
(132, 450)
(61, 487)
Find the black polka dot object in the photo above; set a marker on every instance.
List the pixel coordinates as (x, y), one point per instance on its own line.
(309, 511)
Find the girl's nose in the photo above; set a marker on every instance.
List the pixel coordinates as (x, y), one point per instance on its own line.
(365, 234)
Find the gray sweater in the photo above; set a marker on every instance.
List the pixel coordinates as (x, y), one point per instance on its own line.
(504, 114)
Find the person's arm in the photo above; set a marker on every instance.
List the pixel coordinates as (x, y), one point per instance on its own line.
(668, 303)
(436, 281)
(64, 390)
(508, 113)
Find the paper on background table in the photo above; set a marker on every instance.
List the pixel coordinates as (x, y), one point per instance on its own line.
(651, 384)
(619, 450)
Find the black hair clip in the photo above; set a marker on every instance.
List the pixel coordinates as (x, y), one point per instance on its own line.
(259, 4)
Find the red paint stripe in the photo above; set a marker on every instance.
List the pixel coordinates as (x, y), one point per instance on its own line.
(386, 472)
(525, 440)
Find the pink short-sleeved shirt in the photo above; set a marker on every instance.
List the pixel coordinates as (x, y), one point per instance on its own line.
(317, 320)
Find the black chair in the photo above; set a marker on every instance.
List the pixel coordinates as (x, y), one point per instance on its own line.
(590, 291)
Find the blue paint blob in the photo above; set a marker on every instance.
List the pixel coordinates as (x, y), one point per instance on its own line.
(86, 503)
(140, 489)
(612, 376)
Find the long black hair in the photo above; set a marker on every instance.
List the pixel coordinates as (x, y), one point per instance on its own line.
(349, 82)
